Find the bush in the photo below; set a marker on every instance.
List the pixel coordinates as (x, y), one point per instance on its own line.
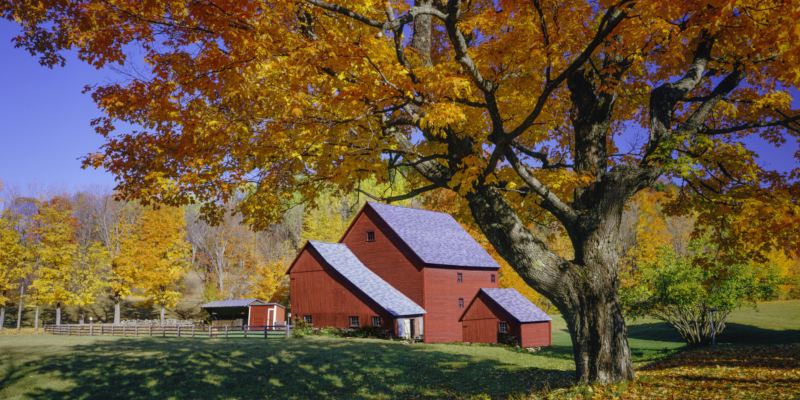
(681, 290)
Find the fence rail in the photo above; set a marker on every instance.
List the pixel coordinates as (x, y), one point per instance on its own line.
(179, 331)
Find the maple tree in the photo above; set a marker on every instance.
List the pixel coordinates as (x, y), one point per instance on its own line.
(160, 253)
(116, 222)
(12, 257)
(521, 108)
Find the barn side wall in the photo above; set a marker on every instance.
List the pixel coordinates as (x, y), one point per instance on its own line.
(388, 256)
(442, 291)
(317, 290)
(537, 334)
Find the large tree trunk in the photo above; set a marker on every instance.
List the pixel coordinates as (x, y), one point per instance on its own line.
(117, 302)
(162, 314)
(2, 316)
(583, 289)
(19, 310)
(36, 323)
(58, 313)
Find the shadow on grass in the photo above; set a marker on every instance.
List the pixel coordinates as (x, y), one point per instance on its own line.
(749, 334)
(734, 333)
(276, 369)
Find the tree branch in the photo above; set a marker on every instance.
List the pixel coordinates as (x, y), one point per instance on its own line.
(550, 201)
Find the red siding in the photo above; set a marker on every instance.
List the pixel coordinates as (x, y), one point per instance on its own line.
(442, 291)
(536, 334)
(388, 256)
(481, 325)
(318, 291)
(258, 315)
(264, 315)
(280, 314)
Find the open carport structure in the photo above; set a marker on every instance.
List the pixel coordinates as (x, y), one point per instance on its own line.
(241, 312)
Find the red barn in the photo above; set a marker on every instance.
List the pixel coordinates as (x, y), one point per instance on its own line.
(331, 287)
(426, 256)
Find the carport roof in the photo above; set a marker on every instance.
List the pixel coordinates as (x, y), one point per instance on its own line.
(238, 303)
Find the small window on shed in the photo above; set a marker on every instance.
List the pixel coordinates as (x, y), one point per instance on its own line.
(460, 278)
(371, 236)
(307, 319)
(502, 327)
(492, 278)
(354, 322)
(376, 321)
(460, 303)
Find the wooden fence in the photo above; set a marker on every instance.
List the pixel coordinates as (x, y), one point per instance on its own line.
(176, 331)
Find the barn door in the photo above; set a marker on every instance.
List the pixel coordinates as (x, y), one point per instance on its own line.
(270, 316)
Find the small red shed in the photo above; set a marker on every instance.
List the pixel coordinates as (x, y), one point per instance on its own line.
(252, 312)
(505, 311)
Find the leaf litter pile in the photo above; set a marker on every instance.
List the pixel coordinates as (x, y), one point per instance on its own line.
(761, 372)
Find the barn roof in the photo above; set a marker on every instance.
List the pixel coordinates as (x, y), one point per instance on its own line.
(437, 238)
(522, 309)
(238, 303)
(341, 259)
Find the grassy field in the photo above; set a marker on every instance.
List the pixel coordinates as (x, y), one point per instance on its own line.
(57, 367)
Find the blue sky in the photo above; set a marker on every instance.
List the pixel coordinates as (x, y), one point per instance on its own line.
(45, 121)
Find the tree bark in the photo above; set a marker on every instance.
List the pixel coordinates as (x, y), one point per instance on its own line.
(58, 313)
(19, 310)
(2, 316)
(117, 303)
(36, 323)
(583, 289)
(162, 314)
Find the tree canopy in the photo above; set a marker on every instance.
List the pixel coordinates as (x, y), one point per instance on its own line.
(522, 108)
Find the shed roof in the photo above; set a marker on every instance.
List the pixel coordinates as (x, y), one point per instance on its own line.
(238, 303)
(437, 238)
(522, 309)
(341, 259)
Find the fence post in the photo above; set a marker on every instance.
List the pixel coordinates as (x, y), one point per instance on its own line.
(163, 331)
(286, 326)
(91, 329)
(192, 331)
(136, 330)
(226, 331)
(124, 331)
(179, 331)
(265, 331)
(209, 331)
(245, 328)
(150, 329)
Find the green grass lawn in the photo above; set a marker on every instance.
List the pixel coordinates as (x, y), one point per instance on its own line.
(49, 367)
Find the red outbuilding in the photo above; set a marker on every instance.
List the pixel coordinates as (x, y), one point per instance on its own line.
(495, 312)
(239, 312)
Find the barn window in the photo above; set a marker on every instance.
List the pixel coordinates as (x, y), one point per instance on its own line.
(371, 236)
(460, 303)
(459, 279)
(307, 319)
(492, 278)
(354, 322)
(376, 321)
(502, 327)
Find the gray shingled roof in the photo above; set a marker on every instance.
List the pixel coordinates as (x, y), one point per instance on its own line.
(338, 256)
(522, 309)
(437, 238)
(236, 303)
